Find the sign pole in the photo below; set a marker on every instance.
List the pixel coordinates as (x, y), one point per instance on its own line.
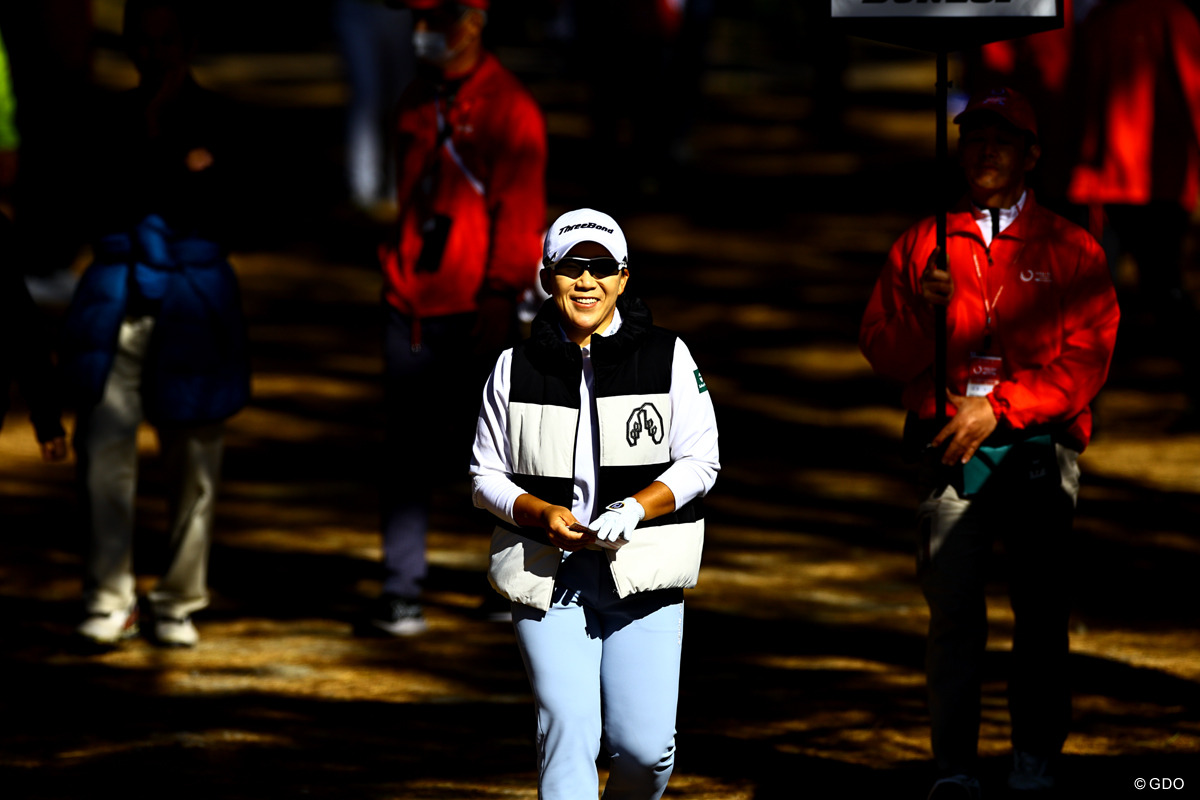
(939, 312)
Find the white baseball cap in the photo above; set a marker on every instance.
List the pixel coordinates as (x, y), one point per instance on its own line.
(584, 225)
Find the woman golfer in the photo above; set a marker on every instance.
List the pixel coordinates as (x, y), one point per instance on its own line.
(595, 442)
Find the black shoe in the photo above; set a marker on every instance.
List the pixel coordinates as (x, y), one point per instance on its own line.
(956, 787)
(398, 616)
(1031, 775)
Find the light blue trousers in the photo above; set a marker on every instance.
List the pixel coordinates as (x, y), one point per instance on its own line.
(603, 670)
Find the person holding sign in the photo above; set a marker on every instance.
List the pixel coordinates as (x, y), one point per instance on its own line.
(595, 442)
(1031, 320)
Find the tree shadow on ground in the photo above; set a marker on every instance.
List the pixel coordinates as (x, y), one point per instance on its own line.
(802, 677)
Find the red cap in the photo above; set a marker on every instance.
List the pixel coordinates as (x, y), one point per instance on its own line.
(422, 5)
(1004, 102)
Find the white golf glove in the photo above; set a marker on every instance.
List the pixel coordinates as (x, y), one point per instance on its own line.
(617, 522)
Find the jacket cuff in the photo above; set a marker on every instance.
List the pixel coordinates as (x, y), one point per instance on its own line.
(999, 407)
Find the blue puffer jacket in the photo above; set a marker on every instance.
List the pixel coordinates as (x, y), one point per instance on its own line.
(197, 369)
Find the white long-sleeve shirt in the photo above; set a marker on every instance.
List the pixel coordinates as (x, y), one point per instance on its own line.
(693, 439)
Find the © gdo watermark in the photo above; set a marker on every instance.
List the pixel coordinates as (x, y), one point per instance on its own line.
(1158, 783)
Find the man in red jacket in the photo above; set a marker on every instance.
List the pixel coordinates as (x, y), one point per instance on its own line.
(471, 156)
(1031, 319)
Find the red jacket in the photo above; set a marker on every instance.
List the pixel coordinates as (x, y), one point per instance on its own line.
(1054, 322)
(488, 178)
(1139, 68)
(1046, 55)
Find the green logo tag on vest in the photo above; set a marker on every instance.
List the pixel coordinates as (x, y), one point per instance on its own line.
(700, 384)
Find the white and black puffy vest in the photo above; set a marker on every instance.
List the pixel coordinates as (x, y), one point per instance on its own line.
(632, 369)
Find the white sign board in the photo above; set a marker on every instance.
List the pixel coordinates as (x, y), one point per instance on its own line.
(943, 9)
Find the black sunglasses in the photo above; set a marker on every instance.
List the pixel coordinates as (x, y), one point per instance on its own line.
(572, 267)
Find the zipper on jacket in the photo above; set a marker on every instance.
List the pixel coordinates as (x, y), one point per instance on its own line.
(575, 442)
(995, 212)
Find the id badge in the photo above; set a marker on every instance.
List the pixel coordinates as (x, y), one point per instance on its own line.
(983, 374)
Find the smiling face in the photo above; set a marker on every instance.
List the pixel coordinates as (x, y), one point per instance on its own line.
(585, 304)
(995, 158)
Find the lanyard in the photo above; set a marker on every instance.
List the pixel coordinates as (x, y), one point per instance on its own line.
(431, 171)
(445, 140)
(989, 306)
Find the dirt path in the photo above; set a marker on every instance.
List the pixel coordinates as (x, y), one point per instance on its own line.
(802, 661)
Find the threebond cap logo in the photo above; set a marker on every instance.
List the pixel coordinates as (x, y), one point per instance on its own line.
(567, 228)
(644, 421)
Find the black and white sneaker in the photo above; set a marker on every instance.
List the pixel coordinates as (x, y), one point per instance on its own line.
(399, 616)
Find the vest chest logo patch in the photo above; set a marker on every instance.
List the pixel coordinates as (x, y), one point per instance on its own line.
(644, 421)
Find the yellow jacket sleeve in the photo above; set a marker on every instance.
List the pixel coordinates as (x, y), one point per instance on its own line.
(9, 139)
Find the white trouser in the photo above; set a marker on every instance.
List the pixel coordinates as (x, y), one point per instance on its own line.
(106, 443)
(594, 652)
